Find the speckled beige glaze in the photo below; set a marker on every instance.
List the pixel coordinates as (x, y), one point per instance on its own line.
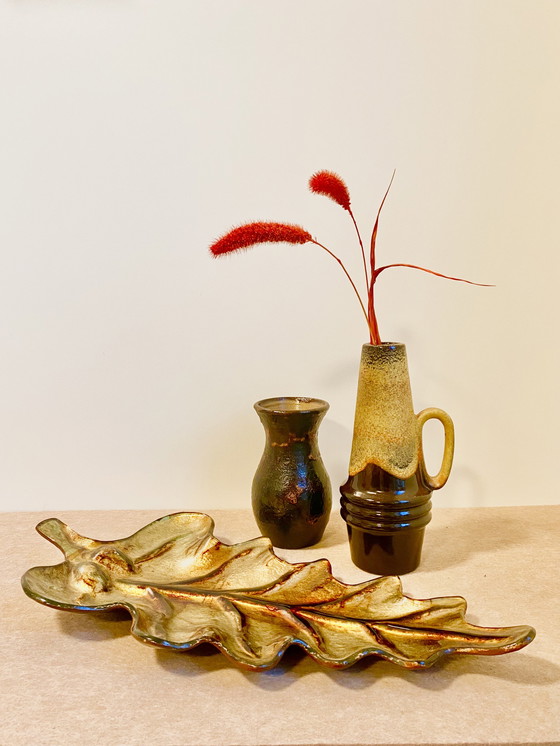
(386, 430)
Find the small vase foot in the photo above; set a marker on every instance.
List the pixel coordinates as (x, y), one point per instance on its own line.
(293, 537)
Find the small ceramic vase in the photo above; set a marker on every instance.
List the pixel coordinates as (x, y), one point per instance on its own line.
(291, 492)
(386, 501)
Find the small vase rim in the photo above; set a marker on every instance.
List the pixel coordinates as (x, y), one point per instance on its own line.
(291, 405)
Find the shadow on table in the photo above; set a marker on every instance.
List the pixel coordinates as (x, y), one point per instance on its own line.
(335, 534)
(95, 626)
(518, 668)
(204, 660)
(461, 537)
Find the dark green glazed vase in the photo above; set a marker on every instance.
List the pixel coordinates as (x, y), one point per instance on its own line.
(291, 492)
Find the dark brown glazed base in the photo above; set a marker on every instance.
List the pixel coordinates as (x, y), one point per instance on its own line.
(293, 531)
(385, 554)
(385, 517)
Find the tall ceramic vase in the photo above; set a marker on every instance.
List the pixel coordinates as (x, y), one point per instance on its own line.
(291, 492)
(386, 501)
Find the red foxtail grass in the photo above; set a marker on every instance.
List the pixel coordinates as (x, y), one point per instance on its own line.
(252, 233)
(330, 185)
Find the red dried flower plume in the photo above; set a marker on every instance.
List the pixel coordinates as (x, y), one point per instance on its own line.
(331, 185)
(254, 233)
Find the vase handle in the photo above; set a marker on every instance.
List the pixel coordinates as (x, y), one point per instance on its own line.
(432, 413)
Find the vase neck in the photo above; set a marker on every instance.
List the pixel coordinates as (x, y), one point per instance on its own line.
(291, 418)
(385, 426)
(293, 426)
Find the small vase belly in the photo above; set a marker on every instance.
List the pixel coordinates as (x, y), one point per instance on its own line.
(291, 492)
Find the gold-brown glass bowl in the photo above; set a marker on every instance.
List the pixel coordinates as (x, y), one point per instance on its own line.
(182, 587)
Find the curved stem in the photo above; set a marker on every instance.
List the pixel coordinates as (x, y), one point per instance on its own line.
(334, 256)
(376, 226)
(374, 328)
(361, 247)
(377, 272)
(375, 337)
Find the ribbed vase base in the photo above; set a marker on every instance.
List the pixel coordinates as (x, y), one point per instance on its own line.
(385, 536)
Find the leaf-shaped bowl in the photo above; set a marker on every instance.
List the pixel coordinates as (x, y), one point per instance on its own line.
(182, 587)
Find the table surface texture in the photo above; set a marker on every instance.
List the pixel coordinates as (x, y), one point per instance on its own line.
(82, 678)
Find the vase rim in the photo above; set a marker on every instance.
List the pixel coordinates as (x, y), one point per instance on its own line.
(390, 345)
(291, 404)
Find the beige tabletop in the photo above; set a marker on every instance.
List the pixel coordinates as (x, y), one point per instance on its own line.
(81, 678)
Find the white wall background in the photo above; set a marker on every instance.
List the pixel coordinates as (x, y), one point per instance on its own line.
(133, 133)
